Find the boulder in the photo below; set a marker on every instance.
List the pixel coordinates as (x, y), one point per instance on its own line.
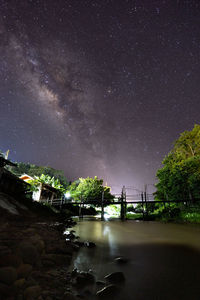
(57, 259)
(31, 282)
(8, 275)
(100, 283)
(84, 278)
(116, 277)
(24, 270)
(37, 241)
(10, 260)
(19, 283)
(108, 291)
(60, 248)
(28, 253)
(32, 292)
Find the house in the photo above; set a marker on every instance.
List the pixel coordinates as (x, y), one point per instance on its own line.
(44, 193)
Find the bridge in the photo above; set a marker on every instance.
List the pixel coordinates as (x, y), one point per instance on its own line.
(122, 199)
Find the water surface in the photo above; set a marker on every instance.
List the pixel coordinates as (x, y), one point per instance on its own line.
(164, 259)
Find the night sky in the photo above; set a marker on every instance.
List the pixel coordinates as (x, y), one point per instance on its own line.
(98, 87)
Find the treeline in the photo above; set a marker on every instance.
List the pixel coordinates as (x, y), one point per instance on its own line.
(85, 189)
(34, 170)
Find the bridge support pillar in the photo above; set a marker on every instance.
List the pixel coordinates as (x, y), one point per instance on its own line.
(80, 212)
(102, 213)
(102, 207)
(123, 204)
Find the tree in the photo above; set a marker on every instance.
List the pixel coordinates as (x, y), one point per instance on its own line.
(179, 179)
(90, 190)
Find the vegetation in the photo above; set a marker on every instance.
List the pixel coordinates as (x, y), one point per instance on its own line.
(34, 170)
(179, 179)
(55, 183)
(90, 189)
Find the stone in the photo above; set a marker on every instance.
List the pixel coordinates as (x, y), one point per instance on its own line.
(8, 275)
(121, 260)
(84, 278)
(74, 273)
(79, 243)
(37, 241)
(48, 263)
(32, 292)
(90, 244)
(58, 259)
(69, 296)
(24, 270)
(116, 277)
(31, 282)
(4, 290)
(70, 236)
(10, 260)
(28, 253)
(108, 291)
(60, 248)
(19, 283)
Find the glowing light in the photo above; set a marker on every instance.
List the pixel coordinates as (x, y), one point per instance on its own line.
(67, 195)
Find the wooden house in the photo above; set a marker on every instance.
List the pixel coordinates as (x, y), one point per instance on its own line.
(44, 193)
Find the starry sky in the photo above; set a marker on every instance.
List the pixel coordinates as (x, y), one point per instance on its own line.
(98, 87)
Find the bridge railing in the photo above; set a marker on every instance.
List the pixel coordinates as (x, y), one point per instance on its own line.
(137, 198)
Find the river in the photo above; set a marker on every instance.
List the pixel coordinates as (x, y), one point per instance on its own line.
(164, 259)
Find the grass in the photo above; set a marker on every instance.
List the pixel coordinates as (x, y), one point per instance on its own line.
(184, 216)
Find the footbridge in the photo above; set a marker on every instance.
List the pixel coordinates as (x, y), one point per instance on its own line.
(143, 198)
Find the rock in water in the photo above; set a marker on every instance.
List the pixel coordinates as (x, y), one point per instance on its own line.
(116, 277)
(121, 260)
(90, 244)
(84, 278)
(108, 291)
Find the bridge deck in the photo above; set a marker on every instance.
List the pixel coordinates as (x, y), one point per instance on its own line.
(59, 202)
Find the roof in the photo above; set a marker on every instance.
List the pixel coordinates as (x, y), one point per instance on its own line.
(26, 177)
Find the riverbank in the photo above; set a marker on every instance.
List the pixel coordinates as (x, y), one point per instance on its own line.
(183, 217)
(34, 254)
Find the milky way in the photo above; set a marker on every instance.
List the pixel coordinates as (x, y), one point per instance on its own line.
(98, 87)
